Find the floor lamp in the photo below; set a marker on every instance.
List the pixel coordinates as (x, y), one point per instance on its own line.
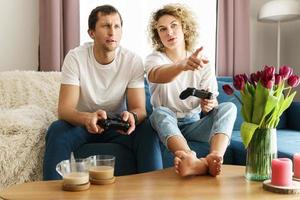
(279, 11)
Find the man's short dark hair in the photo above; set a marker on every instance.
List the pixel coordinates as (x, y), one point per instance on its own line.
(104, 9)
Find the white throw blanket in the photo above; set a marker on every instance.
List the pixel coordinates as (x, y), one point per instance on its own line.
(28, 105)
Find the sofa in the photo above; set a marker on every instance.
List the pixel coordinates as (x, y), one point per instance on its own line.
(28, 105)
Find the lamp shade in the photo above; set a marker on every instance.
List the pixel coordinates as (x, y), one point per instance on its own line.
(279, 10)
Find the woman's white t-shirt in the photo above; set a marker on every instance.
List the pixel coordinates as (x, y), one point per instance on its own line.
(167, 94)
(102, 86)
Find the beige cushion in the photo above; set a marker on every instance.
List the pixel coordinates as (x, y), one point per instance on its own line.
(22, 138)
(19, 88)
(28, 105)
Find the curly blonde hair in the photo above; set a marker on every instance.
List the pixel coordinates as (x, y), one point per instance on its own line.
(181, 13)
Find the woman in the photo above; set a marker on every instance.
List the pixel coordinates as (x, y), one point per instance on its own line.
(173, 67)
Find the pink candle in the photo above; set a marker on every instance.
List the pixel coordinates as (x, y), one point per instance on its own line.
(297, 165)
(282, 172)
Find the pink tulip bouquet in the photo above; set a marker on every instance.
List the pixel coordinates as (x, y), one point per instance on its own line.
(264, 96)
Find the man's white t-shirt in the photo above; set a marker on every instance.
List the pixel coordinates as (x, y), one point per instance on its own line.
(102, 86)
(167, 94)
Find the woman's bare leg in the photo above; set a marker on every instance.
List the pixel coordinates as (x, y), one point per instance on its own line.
(218, 146)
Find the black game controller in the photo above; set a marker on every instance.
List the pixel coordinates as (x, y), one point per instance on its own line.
(114, 123)
(202, 94)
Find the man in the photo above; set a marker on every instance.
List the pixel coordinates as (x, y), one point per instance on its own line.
(100, 79)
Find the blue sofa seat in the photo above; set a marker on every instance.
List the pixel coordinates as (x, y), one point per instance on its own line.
(288, 139)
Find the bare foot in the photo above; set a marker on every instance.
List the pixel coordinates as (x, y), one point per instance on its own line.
(176, 164)
(186, 163)
(214, 163)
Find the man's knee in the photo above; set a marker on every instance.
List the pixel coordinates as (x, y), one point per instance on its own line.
(58, 125)
(57, 129)
(61, 132)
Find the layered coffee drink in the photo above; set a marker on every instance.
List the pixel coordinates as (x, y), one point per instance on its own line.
(76, 178)
(101, 172)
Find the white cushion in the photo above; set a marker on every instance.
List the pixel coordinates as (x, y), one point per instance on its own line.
(22, 140)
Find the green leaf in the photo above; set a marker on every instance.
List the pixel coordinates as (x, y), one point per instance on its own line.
(277, 114)
(260, 100)
(251, 89)
(247, 131)
(272, 101)
(286, 103)
(247, 106)
(279, 89)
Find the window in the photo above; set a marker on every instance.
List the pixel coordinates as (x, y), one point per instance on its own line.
(136, 16)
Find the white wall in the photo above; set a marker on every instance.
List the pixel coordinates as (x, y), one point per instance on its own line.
(264, 42)
(19, 35)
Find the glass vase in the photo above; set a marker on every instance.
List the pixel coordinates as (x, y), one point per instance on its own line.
(260, 152)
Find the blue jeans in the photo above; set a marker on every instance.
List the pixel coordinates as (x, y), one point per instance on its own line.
(219, 120)
(63, 138)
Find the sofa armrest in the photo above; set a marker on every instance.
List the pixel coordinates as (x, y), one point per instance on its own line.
(293, 113)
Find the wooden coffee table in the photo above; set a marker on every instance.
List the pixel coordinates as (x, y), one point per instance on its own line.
(163, 184)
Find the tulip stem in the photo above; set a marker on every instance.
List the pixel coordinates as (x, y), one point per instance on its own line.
(290, 88)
